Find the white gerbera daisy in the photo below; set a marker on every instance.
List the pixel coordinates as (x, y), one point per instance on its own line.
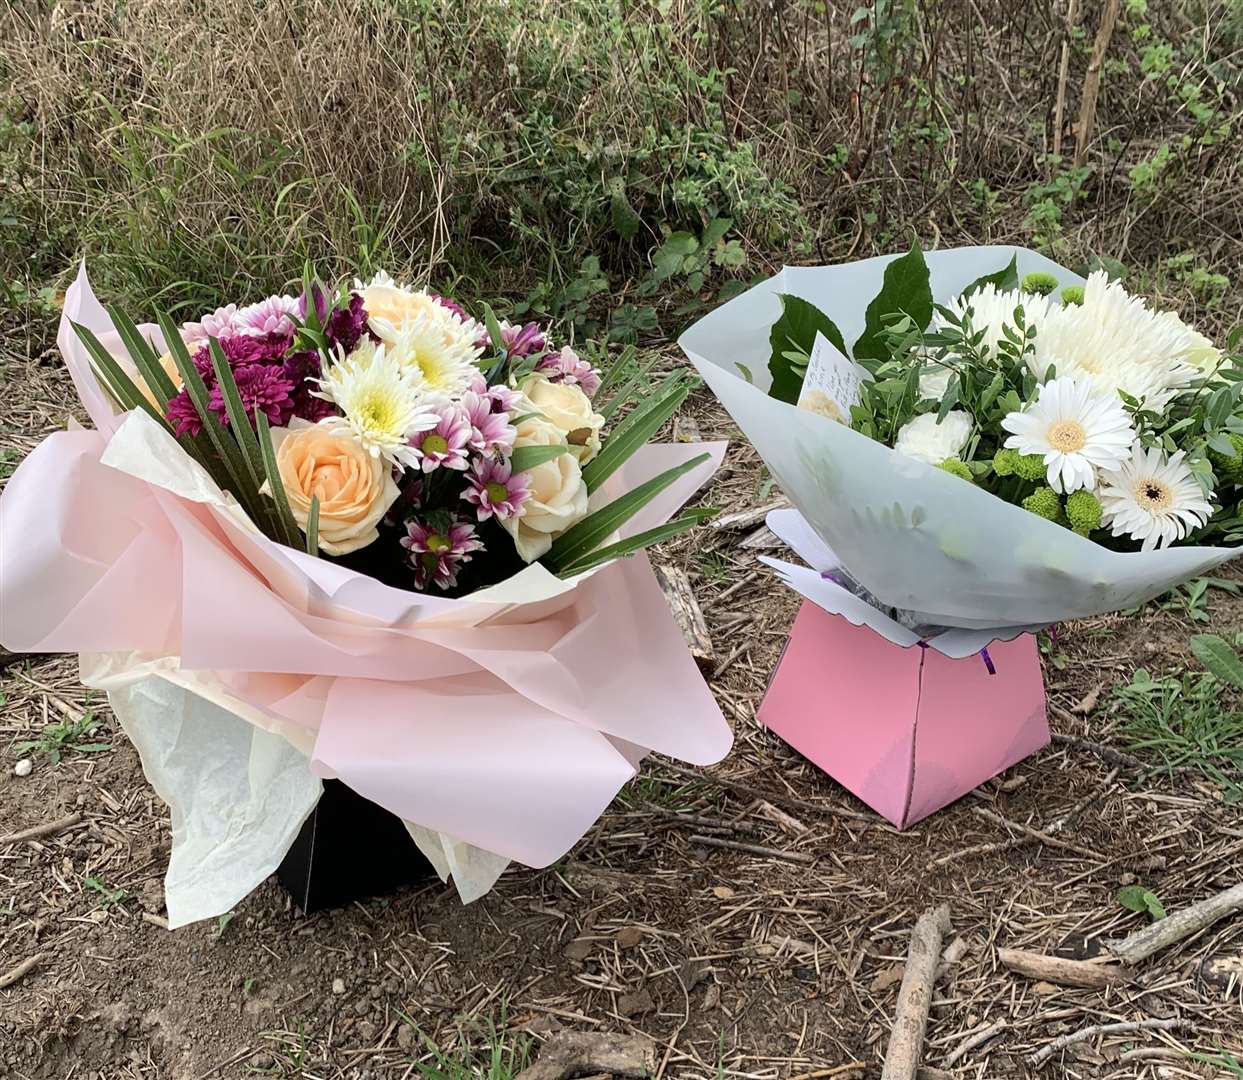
(439, 349)
(384, 404)
(1076, 429)
(1152, 498)
(926, 440)
(1118, 343)
(993, 310)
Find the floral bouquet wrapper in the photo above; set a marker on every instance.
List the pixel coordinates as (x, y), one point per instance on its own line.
(942, 554)
(498, 726)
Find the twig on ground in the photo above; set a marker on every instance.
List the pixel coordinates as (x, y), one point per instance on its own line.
(576, 1052)
(38, 832)
(24, 968)
(680, 597)
(754, 849)
(771, 796)
(1129, 1028)
(1062, 970)
(1092, 81)
(1037, 834)
(837, 1070)
(979, 1037)
(1174, 928)
(906, 1042)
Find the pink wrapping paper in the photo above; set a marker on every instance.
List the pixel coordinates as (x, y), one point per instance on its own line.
(908, 730)
(508, 720)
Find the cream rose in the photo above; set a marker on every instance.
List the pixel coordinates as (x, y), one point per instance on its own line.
(569, 410)
(558, 496)
(170, 369)
(390, 307)
(354, 489)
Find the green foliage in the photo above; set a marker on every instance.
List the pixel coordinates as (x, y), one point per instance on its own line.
(1040, 283)
(792, 338)
(1219, 659)
(1137, 898)
(69, 736)
(1003, 280)
(109, 897)
(906, 290)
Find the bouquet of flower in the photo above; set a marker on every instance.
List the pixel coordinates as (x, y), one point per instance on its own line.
(1004, 445)
(358, 533)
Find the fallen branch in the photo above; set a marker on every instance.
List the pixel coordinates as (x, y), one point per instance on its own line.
(979, 1037)
(1061, 970)
(754, 849)
(906, 1042)
(1092, 81)
(38, 832)
(24, 968)
(680, 597)
(1044, 1053)
(573, 1053)
(1174, 928)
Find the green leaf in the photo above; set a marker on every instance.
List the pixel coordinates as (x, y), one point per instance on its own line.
(627, 391)
(121, 386)
(312, 527)
(291, 534)
(614, 370)
(1137, 898)
(626, 220)
(528, 457)
(906, 290)
(1006, 279)
(798, 325)
(640, 541)
(640, 425)
(576, 543)
(143, 355)
(239, 422)
(1219, 657)
(494, 327)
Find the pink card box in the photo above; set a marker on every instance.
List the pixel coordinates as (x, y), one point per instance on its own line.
(908, 730)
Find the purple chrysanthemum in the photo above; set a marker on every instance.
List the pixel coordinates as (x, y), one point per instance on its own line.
(493, 489)
(526, 340)
(183, 415)
(438, 554)
(451, 305)
(568, 367)
(447, 445)
(347, 325)
(490, 430)
(241, 350)
(262, 388)
(504, 400)
(302, 369)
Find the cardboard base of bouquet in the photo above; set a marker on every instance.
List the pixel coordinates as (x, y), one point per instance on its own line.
(908, 730)
(349, 849)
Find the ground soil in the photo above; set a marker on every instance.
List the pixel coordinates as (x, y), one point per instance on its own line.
(735, 964)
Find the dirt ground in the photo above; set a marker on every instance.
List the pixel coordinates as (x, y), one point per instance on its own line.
(778, 964)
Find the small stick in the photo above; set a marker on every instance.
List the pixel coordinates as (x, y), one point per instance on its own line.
(24, 968)
(1036, 834)
(1129, 1028)
(155, 920)
(680, 597)
(1062, 970)
(771, 796)
(980, 1036)
(754, 849)
(1092, 81)
(1173, 928)
(1063, 74)
(906, 1042)
(48, 828)
(837, 1070)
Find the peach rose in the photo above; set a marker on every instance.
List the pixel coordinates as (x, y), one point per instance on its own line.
(569, 409)
(558, 496)
(388, 307)
(354, 489)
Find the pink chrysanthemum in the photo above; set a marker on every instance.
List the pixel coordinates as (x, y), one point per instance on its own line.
(262, 388)
(270, 316)
(438, 554)
(490, 430)
(568, 367)
(218, 324)
(494, 489)
(447, 445)
(526, 340)
(451, 305)
(503, 398)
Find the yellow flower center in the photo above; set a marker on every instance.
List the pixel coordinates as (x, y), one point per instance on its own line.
(437, 543)
(1152, 495)
(435, 444)
(1067, 436)
(376, 413)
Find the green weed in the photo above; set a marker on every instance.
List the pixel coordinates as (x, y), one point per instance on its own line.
(70, 736)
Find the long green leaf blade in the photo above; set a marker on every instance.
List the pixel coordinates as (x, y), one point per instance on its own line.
(128, 396)
(312, 527)
(583, 538)
(615, 370)
(528, 457)
(639, 541)
(624, 395)
(143, 355)
(276, 486)
(638, 428)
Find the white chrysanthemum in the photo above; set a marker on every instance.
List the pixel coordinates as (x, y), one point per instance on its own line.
(440, 351)
(384, 404)
(993, 310)
(1118, 343)
(926, 440)
(1076, 429)
(1152, 498)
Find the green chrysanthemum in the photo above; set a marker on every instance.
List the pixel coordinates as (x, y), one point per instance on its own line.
(1030, 467)
(1072, 294)
(1044, 502)
(1229, 467)
(957, 468)
(1083, 511)
(1005, 462)
(1040, 283)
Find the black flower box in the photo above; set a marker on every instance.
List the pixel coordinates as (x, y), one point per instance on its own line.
(350, 849)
